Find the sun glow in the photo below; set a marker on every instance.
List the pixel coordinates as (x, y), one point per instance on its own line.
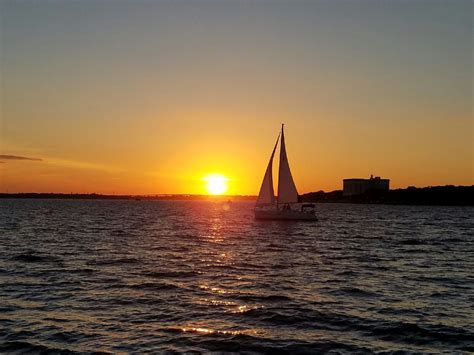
(216, 184)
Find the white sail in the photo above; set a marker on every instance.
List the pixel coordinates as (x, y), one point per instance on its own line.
(266, 195)
(287, 192)
(266, 208)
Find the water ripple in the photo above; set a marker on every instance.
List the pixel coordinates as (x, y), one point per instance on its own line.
(156, 276)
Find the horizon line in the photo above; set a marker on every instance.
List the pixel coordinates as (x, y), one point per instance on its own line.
(197, 195)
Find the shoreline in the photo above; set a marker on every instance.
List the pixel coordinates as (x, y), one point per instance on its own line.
(411, 196)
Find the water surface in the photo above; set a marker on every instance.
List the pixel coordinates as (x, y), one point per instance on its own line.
(150, 276)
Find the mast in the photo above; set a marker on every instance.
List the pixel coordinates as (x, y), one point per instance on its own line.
(266, 196)
(287, 192)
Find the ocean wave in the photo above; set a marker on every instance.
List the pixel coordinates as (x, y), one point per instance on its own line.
(118, 261)
(412, 241)
(24, 347)
(354, 291)
(424, 334)
(146, 286)
(33, 257)
(171, 274)
(235, 341)
(262, 298)
(154, 286)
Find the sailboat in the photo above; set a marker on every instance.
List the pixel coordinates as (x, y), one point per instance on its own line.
(286, 206)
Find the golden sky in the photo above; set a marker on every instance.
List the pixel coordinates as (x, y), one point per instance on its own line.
(139, 97)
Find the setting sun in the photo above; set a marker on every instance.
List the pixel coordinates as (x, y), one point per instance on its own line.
(216, 184)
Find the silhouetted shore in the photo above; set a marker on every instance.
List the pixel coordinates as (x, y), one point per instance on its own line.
(437, 195)
(94, 196)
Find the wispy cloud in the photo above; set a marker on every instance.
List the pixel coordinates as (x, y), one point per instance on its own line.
(74, 164)
(17, 157)
(65, 163)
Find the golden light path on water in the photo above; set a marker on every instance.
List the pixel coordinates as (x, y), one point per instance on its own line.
(216, 235)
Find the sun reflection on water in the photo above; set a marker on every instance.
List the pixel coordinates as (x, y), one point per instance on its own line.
(209, 331)
(229, 306)
(214, 289)
(218, 253)
(245, 308)
(215, 302)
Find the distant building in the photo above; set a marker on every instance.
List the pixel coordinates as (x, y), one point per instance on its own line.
(354, 187)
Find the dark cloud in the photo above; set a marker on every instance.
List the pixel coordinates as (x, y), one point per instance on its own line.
(17, 157)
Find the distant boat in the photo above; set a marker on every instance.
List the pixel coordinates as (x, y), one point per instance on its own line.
(286, 206)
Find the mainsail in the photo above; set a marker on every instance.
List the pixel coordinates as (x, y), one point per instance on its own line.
(266, 195)
(287, 192)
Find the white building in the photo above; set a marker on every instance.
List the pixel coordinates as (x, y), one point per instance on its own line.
(354, 187)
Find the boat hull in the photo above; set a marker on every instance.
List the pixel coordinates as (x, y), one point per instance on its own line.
(284, 215)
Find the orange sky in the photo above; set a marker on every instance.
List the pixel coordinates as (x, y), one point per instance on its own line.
(142, 98)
